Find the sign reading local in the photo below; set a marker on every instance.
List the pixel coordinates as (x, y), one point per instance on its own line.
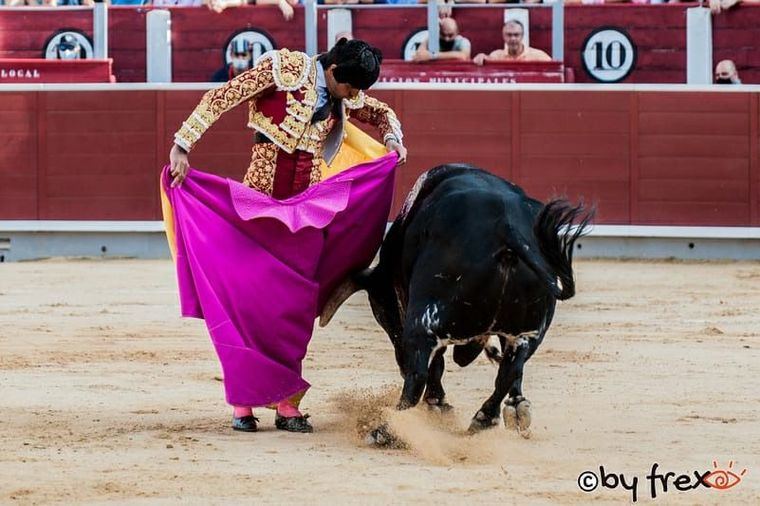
(20, 74)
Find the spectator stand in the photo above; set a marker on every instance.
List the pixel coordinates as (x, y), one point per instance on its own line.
(422, 21)
(199, 37)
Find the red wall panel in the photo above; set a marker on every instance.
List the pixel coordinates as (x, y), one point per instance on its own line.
(18, 156)
(694, 157)
(577, 145)
(457, 127)
(127, 43)
(98, 156)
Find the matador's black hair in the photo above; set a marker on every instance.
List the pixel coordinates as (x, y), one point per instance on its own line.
(357, 63)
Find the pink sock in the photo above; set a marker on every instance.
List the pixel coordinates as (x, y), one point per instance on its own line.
(286, 409)
(240, 411)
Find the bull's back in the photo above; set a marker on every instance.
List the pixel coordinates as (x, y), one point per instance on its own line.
(469, 212)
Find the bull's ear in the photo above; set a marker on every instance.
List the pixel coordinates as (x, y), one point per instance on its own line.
(346, 289)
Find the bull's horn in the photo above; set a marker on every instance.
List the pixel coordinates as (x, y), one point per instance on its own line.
(345, 290)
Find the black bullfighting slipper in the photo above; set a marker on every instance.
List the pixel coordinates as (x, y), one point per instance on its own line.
(293, 423)
(245, 423)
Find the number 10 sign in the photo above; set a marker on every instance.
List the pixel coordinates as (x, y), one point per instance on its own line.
(609, 55)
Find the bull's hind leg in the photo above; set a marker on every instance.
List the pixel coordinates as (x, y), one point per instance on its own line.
(510, 370)
(435, 397)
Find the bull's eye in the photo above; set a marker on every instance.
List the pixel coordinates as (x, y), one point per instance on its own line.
(721, 479)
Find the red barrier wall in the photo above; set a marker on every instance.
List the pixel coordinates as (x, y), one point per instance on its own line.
(644, 157)
(199, 36)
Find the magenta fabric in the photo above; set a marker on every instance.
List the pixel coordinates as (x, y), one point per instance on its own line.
(258, 270)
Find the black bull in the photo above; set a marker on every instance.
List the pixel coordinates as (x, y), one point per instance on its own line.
(470, 256)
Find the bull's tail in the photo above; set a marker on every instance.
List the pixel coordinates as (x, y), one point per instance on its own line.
(559, 225)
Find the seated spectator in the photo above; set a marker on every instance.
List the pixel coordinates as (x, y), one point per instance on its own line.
(514, 49)
(726, 73)
(452, 46)
(129, 2)
(241, 59)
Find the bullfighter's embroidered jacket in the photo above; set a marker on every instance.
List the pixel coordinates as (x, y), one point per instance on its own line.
(281, 91)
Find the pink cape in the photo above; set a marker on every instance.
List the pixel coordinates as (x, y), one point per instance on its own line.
(259, 270)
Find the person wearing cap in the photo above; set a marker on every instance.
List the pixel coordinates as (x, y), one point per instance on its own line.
(298, 105)
(240, 61)
(68, 48)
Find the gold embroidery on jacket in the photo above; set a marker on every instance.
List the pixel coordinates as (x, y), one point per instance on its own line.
(298, 118)
(378, 114)
(315, 176)
(260, 174)
(291, 69)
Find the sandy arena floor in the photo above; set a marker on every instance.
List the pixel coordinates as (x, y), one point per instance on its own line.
(106, 395)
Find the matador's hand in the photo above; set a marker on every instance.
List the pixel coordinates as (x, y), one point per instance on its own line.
(180, 165)
(398, 148)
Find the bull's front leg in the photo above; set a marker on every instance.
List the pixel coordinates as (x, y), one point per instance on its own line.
(418, 346)
(435, 396)
(415, 349)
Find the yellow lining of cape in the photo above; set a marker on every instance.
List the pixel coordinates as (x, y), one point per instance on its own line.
(357, 148)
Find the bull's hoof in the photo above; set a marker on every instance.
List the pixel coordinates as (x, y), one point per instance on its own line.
(523, 418)
(518, 417)
(510, 417)
(441, 409)
(480, 422)
(384, 438)
(439, 406)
